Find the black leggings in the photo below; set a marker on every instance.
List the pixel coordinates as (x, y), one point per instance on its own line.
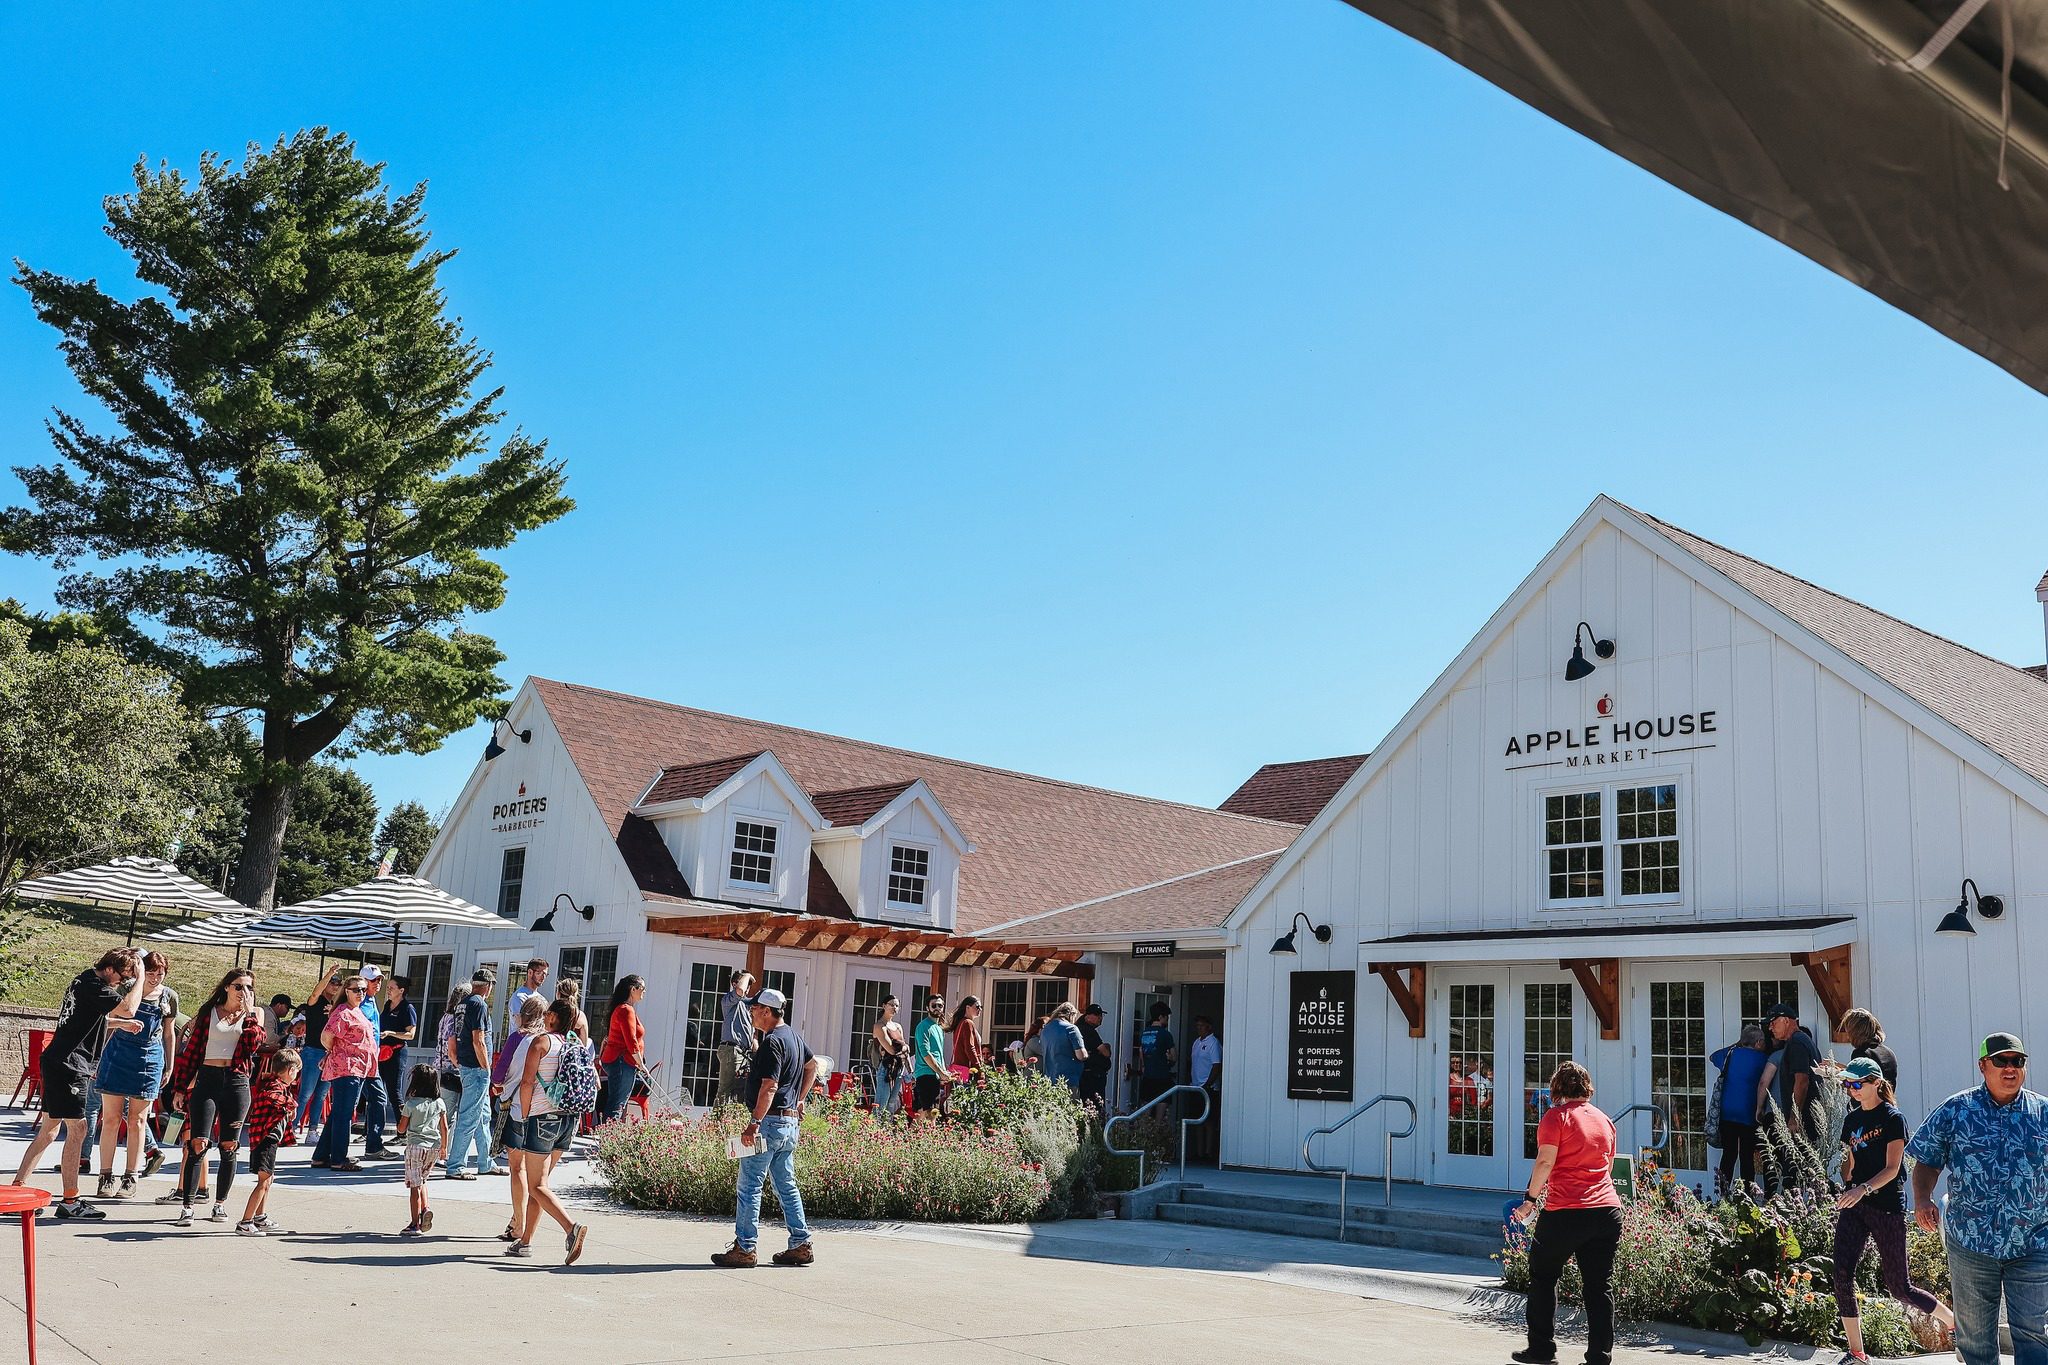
(1886, 1227)
(1591, 1235)
(219, 1103)
(1738, 1140)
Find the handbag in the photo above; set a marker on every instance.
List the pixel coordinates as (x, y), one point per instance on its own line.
(1713, 1133)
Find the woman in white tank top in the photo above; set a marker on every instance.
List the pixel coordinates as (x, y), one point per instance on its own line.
(537, 1120)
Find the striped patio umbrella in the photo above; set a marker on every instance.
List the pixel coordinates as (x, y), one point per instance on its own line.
(135, 883)
(329, 931)
(392, 900)
(229, 931)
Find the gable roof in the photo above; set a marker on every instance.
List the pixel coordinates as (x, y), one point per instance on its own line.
(1040, 844)
(688, 781)
(1196, 901)
(2002, 707)
(1294, 792)
(857, 805)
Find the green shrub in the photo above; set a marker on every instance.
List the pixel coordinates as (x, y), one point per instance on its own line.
(849, 1165)
(1050, 1125)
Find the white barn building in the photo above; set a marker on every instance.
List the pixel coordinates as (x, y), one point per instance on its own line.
(1766, 791)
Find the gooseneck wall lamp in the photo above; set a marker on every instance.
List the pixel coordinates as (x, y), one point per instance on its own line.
(1580, 665)
(546, 923)
(1956, 923)
(493, 748)
(1285, 943)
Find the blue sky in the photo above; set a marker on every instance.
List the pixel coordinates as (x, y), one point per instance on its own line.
(1128, 393)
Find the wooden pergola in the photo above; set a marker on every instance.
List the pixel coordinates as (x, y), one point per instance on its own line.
(764, 929)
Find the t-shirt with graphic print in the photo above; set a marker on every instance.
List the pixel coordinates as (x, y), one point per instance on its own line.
(1869, 1134)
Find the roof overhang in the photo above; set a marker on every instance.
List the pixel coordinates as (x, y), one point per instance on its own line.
(863, 938)
(1670, 939)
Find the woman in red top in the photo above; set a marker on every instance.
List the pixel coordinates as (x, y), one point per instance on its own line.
(968, 1049)
(1574, 1182)
(625, 1046)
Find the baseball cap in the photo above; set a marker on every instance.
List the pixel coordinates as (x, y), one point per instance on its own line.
(1093, 1009)
(1996, 1043)
(1781, 1010)
(371, 973)
(771, 999)
(1862, 1069)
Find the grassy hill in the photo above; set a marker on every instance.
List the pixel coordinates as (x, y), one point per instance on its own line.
(67, 940)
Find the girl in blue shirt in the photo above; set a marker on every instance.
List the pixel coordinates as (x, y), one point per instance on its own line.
(1742, 1073)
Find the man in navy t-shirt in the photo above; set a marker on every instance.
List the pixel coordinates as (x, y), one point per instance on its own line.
(1160, 1053)
(781, 1074)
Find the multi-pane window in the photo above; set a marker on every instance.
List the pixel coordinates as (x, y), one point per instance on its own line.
(1469, 1085)
(1016, 1003)
(697, 1070)
(1574, 851)
(867, 1012)
(919, 995)
(1759, 996)
(1546, 1041)
(596, 970)
(753, 853)
(429, 975)
(1611, 844)
(511, 878)
(1678, 1068)
(1646, 830)
(909, 870)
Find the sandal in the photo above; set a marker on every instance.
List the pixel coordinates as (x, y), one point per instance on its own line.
(510, 1234)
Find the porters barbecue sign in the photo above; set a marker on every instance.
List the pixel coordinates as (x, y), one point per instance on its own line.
(522, 812)
(1320, 1006)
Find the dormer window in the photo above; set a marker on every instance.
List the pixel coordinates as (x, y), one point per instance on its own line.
(753, 853)
(910, 870)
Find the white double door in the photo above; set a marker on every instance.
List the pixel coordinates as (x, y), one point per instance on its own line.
(1498, 1034)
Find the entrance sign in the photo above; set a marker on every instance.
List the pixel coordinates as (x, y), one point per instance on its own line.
(1319, 1034)
(1162, 948)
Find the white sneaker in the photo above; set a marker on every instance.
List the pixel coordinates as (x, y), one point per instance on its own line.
(184, 1218)
(219, 1214)
(247, 1230)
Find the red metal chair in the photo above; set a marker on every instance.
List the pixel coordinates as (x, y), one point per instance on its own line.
(32, 1072)
(25, 1200)
(835, 1083)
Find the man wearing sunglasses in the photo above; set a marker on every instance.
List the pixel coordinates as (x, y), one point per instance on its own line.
(1991, 1142)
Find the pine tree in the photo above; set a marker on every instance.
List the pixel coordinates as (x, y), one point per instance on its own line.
(408, 831)
(296, 501)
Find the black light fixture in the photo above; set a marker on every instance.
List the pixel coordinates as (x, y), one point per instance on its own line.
(1580, 665)
(1285, 943)
(1956, 923)
(546, 923)
(492, 749)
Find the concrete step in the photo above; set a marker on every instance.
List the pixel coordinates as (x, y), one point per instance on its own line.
(1418, 1236)
(1365, 1210)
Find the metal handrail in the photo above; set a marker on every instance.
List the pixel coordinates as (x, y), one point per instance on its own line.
(1343, 1173)
(1662, 1124)
(1139, 1152)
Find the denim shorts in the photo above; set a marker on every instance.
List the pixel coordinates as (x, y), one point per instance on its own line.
(537, 1135)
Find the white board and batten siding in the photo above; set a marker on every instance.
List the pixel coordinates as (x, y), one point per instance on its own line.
(1817, 797)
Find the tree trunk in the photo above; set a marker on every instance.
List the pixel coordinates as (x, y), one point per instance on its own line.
(270, 806)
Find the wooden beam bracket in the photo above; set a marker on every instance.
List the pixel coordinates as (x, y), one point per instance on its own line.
(1829, 970)
(1600, 979)
(1407, 981)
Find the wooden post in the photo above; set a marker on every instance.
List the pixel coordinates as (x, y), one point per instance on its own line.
(1407, 982)
(1600, 979)
(757, 960)
(939, 978)
(1083, 986)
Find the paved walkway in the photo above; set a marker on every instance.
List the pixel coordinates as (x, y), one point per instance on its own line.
(132, 1288)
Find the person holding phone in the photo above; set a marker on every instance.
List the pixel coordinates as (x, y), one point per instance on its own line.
(210, 1086)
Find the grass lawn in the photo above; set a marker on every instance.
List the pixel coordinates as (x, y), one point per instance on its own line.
(68, 940)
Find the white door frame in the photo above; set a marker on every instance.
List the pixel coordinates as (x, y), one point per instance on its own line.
(1520, 1097)
(1482, 1035)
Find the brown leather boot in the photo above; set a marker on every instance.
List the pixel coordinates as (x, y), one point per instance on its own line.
(796, 1255)
(736, 1257)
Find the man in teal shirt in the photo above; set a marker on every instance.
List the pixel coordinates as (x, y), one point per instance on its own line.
(928, 1049)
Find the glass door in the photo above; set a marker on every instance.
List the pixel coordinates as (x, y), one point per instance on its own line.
(1548, 1029)
(1678, 1007)
(1471, 1144)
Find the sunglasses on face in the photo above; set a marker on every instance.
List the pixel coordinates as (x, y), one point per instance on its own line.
(2009, 1061)
(1853, 1085)
(353, 990)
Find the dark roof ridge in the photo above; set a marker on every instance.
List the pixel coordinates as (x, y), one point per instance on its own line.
(913, 753)
(1838, 596)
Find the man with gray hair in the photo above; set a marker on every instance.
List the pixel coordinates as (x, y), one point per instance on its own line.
(735, 1039)
(1061, 1051)
(782, 1073)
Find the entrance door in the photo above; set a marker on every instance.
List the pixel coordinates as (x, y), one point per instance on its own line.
(1470, 1139)
(1547, 1028)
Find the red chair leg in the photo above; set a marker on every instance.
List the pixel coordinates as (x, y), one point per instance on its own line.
(28, 1276)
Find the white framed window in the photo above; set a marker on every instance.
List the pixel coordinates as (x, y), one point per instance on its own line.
(753, 853)
(511, 881)
(1612, 843)
(910, 872)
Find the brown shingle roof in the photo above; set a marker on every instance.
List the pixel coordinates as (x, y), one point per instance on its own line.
(856, 805)
(1200, 901)
(821, 893)
(2001, 707)
(1040, 844)
(686, 781)
(1294, 792)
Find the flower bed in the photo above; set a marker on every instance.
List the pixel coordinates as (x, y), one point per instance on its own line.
(1751, 1266)
(1017, 1148)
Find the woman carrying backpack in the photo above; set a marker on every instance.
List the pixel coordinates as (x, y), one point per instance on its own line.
(536, 1109)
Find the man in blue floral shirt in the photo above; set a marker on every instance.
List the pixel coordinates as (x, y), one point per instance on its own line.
(1993, 1143)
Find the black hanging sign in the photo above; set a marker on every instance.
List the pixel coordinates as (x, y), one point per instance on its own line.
(1158, 948)
(1320, 1006)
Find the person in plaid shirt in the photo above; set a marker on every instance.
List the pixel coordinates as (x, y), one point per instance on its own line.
(210, 1085)
(270, 1118)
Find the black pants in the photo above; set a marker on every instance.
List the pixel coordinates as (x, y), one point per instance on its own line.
(1738, 1140)
(1591, 1235)
(1092, 1084)
(392, 1071)
(219, 1103)
(1855, 1228)
(924, 1094)
(1152, 1087)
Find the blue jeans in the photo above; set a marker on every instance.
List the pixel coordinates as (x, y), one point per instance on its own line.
(778, 1164)
(471, 1131)
(311, 1087)
(619, 1078)
(373, 1113)
(1977, 1282)
(343, 1091)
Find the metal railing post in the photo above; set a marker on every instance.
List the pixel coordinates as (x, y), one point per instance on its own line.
(1343, 1173)
(1185, 1123)
(1660, 1128)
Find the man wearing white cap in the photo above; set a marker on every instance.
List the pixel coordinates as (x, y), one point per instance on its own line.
(782, 1073)
(374, 1117)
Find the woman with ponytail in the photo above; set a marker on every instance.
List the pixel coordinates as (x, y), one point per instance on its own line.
(1873, 1207)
